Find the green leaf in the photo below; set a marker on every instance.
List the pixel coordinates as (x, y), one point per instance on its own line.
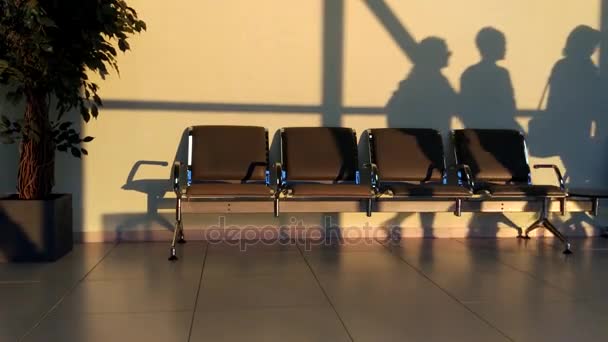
(76, 152)
(46, 48)
(85, 152)
(84, 112)
(94, 111)
(65, 125)
(73, 139)
(48, 22)
(87, 139)
(53, 44)
(97, 100)
(62, 148)
(123, 45)
(6, 122)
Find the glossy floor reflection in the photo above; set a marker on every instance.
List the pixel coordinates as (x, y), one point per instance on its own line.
(361, 290)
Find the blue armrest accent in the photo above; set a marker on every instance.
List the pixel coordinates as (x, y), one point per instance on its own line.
(189, 177)
(358, 177)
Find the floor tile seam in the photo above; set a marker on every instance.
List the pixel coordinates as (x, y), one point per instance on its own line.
(255, 276)
(20, 282)
(66, 294)
(532, 276)
(478, 316)
(138, 279)
(121, 312)
(255, 308)
(198, 291)
(528, 301)
(331, 304)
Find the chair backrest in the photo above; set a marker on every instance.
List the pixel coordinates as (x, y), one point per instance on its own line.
(407, 154)
(228, 153)
(494, 155)
(319, 153)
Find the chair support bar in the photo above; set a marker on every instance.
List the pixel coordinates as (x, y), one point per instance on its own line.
(543, 222)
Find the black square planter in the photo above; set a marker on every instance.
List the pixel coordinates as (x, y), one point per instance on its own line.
(35, 230)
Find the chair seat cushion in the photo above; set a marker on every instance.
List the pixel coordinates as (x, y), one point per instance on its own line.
(318, 190)
(425, 190)
(229, 190)
(523, 190)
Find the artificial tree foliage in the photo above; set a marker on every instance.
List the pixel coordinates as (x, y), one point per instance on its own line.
(47, 49)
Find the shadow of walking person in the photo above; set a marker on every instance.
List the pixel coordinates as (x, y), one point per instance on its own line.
(573, 115)
(574, 107)
(486, 93)
(487, 100)
(424, 99)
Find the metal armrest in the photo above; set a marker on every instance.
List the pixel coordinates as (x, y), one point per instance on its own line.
(468, 174)
(375, 176)
(177, 173)
(558, 173)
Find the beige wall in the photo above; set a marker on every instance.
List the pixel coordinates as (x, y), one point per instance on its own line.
(265, 63)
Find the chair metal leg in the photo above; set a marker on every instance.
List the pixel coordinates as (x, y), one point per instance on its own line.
(458, 210)
(182, 238)
(276, 207)
(369, 207)
(541, 219)
(558, 235)
(172, 252)
(178, 229)
(537, 224)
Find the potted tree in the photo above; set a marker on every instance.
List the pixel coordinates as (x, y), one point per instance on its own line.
(47, 50)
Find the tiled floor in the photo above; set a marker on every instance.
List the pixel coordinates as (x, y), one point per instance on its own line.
(417, 290)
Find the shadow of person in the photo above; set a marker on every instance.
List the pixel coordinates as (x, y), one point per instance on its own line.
(424, 99)
(574, 108)
(487, 99)
(573, 115)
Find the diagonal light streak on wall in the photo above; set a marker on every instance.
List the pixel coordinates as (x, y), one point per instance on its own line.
(402, 37)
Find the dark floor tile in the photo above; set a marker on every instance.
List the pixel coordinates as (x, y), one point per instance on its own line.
(268, 291)
(149, 327)
(149, 260)
(545, 321)
(155, 294)
(298, 324)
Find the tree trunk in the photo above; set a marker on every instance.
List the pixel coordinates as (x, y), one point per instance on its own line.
(36, 175)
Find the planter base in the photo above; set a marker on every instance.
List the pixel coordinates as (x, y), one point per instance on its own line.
(35, 230)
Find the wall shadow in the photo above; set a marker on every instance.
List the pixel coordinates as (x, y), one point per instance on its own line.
(10, 233)
(574, 112)
(425, 96)
(155, 190)
(487, 99)
(424, 99)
